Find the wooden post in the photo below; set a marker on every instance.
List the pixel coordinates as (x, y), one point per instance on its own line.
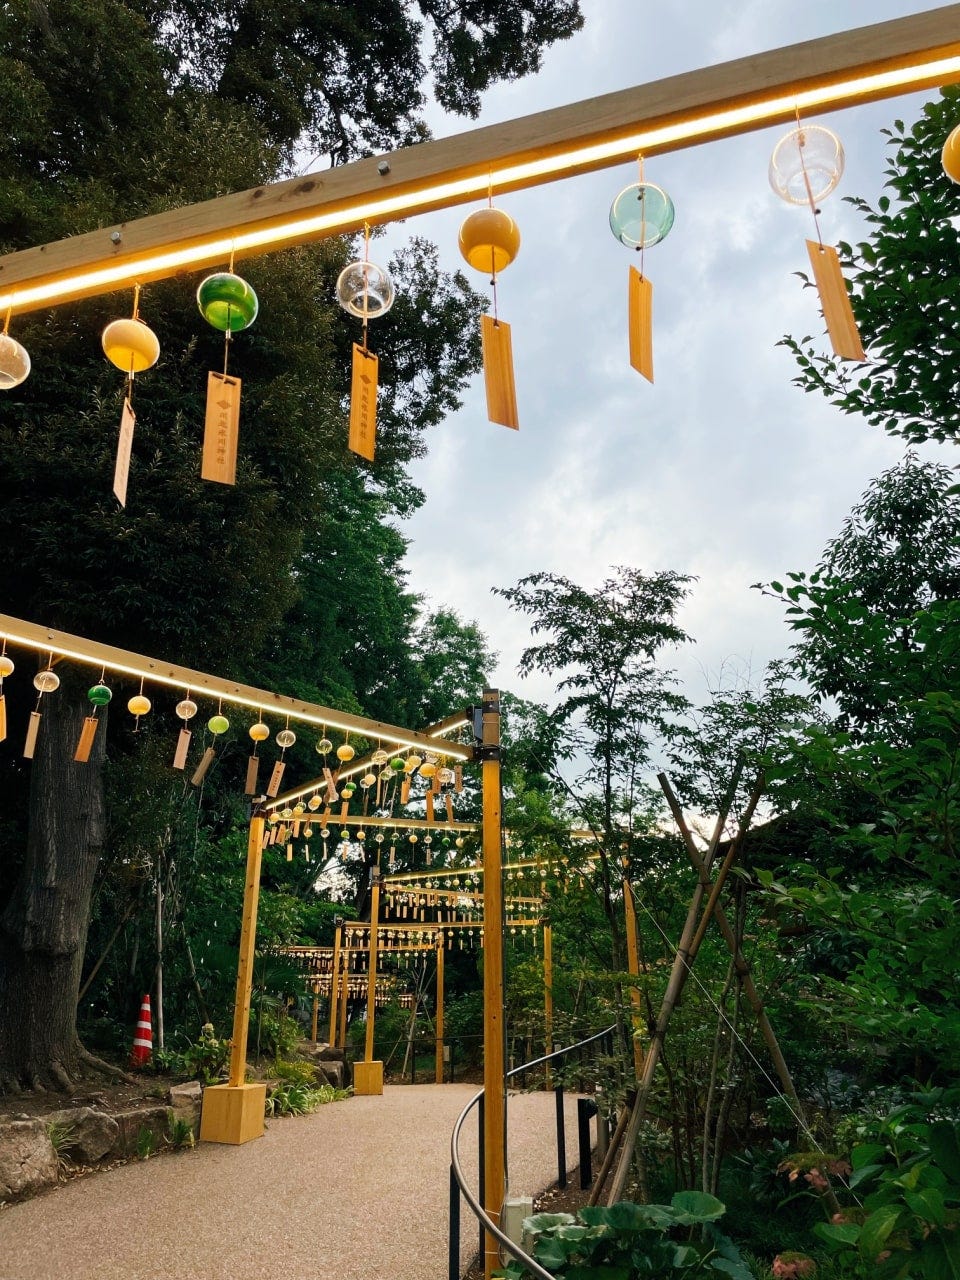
(633, 965)
(344, 997)
(547, 996)
(439, 1011)
(313, 1014)
(233, 1112)
(368, 1075)
(494, 1054)
(334, 985)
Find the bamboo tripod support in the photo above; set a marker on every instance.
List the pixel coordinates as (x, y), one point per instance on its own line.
(694, 930)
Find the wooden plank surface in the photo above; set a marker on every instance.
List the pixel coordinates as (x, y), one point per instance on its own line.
(541, 147)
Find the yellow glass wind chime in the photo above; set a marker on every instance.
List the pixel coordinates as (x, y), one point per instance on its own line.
(132, 346)
(366, 291)
(806, 166)
(641, 216)
(489, 241)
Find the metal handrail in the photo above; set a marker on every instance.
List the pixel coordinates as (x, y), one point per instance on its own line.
(529, 1264)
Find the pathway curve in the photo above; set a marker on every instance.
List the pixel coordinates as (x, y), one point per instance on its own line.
(356, 1191)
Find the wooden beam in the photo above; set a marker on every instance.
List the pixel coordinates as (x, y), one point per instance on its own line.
(78, 648)
(920, 51)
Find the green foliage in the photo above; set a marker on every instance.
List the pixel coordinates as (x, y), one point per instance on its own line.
(904, 292)
(180, 1134)
(295, 1098)
(906, 1189)
(627, 1240)
(146, 1143)
(205, 1059)
(62, 1136)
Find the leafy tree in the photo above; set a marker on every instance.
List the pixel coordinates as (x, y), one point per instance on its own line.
(350, 76)
(604, 645)
(857, 615)
(904, 280)
(111, 110)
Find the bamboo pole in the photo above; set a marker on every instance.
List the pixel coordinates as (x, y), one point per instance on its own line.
(344, 997)
(675, 984)
(494, 1051)
(547, 997)
(633, 965)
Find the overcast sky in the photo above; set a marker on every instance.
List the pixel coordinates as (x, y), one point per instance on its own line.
(722, 469)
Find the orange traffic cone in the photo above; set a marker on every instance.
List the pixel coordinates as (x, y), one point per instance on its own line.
(142, 1049)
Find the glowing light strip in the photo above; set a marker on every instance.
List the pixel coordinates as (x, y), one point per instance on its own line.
(209, 686)
(526, 173)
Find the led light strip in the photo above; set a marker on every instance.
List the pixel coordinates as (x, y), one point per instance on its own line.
(77, 649)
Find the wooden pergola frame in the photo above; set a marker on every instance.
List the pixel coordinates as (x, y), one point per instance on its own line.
(862, 65)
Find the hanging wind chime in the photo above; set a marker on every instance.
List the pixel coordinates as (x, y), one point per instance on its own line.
(14, 359)
(950, 155)
(641, 216)
(186, 709)
(366, 291)
(46, 681)
(285, 738)
(489, 241)
(132, 346)
(227, 303)
(259, 732)
(218, 725)
(805, 167)
(98, 696)
(6, 669)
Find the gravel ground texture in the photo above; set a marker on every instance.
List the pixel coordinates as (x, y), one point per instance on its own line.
(358, 1190)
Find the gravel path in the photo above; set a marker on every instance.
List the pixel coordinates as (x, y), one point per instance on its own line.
(356, 1191)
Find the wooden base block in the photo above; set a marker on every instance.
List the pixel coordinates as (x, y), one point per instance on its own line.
(232, 1113)
(367, 1078)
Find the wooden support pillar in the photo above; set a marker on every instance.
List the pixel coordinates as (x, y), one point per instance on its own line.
(368, 1075)
(334, 984)
(494, 1048)
(233, 1112)
(547, 997)
(633, 965)
(439, 1011)
(313, 1014)
(344, 997)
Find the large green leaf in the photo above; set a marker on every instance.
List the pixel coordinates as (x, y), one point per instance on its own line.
(940, 1256)
(945, 1145)
(876, 1230)
(697, 1206)
(838, 1233)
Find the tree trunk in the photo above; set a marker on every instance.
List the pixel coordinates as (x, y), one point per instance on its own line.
(43, 927)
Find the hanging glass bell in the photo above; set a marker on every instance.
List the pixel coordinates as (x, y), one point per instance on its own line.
(950, 156)
(806, 165)
(131, 345)
(489, 239)
(641, 215)
(365, 290)
(14, 363)
(227, 302)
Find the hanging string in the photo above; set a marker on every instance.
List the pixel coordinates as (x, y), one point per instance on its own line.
(136, 316)
(643, 209)
(806, 182)
(6, 321)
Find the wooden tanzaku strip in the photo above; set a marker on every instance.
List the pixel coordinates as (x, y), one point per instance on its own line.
(363, 403)
(835, 302)
(449, 801)
(498, 372)
(121, 470)
(32, 730)
(429, 806)
(80, 649)
(253, 772)
(206, 760)
(276, 777)
(640, 311)
(183, 746)
(666, 115)
(85, 741)
(3, 718)
(221, 429)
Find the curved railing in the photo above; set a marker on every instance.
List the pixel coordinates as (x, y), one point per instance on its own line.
(458, 1185)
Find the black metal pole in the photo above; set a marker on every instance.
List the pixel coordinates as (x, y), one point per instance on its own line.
(453, 1239)
(561, 1140)
(585, 1109)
